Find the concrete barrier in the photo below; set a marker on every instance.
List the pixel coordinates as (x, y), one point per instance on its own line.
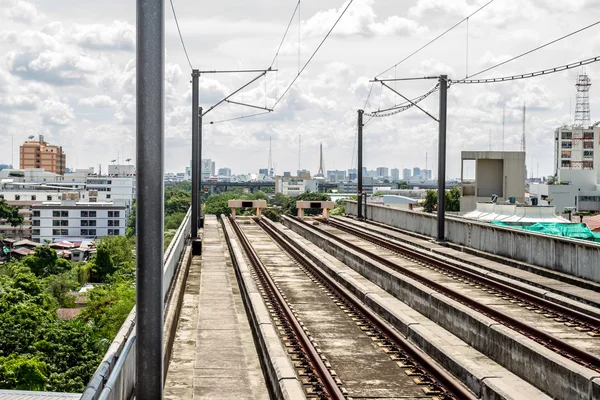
(552, 373)
(579, 258)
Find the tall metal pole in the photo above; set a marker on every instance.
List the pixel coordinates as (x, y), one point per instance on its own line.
(360, 154)
(150, 78)
(200, 219)
(441, 236)
(195, 160)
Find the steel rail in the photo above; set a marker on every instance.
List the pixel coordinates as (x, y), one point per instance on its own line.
(447, 381)
(559, 346)
(325, 376)
(455, 268)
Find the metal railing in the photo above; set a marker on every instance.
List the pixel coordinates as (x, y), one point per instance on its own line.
(115, 377)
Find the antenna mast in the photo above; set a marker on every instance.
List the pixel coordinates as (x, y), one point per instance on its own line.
(270, 165)
(582, 105)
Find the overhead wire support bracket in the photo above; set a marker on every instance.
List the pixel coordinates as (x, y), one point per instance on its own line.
(403, 79)
(234, 71)
(410, 101)
(249, 105)
(263, 73)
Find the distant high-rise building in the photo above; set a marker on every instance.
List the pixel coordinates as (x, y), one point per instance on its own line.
(39, 154)
(406, 174)
(416, 173)
(213, 169)
(224, 172)
(206, 168)
(336, 176)
(287, 174)
(352, 174)
(427, 174)
(303, 173)
(382, 171)
(263, 171)
(395, 173)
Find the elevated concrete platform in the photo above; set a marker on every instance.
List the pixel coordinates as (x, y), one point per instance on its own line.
(214, 356)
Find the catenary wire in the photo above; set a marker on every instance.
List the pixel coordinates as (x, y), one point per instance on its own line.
(236, 118)
(286, 32)
(536, 49)
(313, 54)
(436, 38)
(532, 74)
(180, 36)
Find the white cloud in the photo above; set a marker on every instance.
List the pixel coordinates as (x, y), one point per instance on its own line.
(23, 11)
(99, 101)
(57, 113)
(117, 36)
(359, 19)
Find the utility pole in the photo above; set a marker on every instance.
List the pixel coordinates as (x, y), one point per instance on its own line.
(442, 158)
(200, 218)
(150, 78)
(195, 153)
(360, 163)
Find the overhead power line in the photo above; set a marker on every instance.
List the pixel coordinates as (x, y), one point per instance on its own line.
(536, 49)
(180, 36)
(314, 53)
(437, 37)
(286, 32)
(532, 74)
(236, 118)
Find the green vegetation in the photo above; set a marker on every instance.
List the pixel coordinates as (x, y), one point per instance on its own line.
(451, 200)
(217, 204)
(10, 213)
(39, 351)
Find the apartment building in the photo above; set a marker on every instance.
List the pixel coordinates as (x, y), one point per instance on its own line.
(39, 154)
(70, 219)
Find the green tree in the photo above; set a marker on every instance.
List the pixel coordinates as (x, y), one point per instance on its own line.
(402, 185)
(46, 262)
(290, 207)
(273, 213)
(10, 213)
(131, 220)
(21, 372)
(451, 200)
(112, 253)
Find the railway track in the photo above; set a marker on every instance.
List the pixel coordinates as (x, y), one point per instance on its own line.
(414, 367)
(426, 261)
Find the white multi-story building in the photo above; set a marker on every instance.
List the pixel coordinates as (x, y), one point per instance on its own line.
(33, 186)
(395, 174)
(70, 219)
(576, 170)
(293, 186)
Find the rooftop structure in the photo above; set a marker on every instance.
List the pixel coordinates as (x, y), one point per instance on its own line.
(497, 173)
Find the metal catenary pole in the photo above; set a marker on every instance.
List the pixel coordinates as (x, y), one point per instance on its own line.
(195, 160)
(200, 218)
(441, 236)
(150, 202)
(359, 172)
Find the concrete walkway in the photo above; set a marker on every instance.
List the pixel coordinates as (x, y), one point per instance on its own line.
(214, 356)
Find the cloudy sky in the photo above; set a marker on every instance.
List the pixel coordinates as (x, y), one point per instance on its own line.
(67, 70)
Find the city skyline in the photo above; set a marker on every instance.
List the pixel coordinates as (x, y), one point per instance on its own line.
(71, 77)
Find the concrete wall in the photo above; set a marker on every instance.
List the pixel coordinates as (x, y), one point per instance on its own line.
(571, 256)
(489, 177)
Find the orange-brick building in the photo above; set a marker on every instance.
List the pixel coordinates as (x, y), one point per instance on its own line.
(39, 154)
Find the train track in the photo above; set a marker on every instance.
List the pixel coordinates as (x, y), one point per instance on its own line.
(450, 268)
(433, 381)
(307, 360)
(437, 381)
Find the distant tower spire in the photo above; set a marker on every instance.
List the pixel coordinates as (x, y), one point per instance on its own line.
(270, 166)
(321, 163)
(582, 105)
(523, 144)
